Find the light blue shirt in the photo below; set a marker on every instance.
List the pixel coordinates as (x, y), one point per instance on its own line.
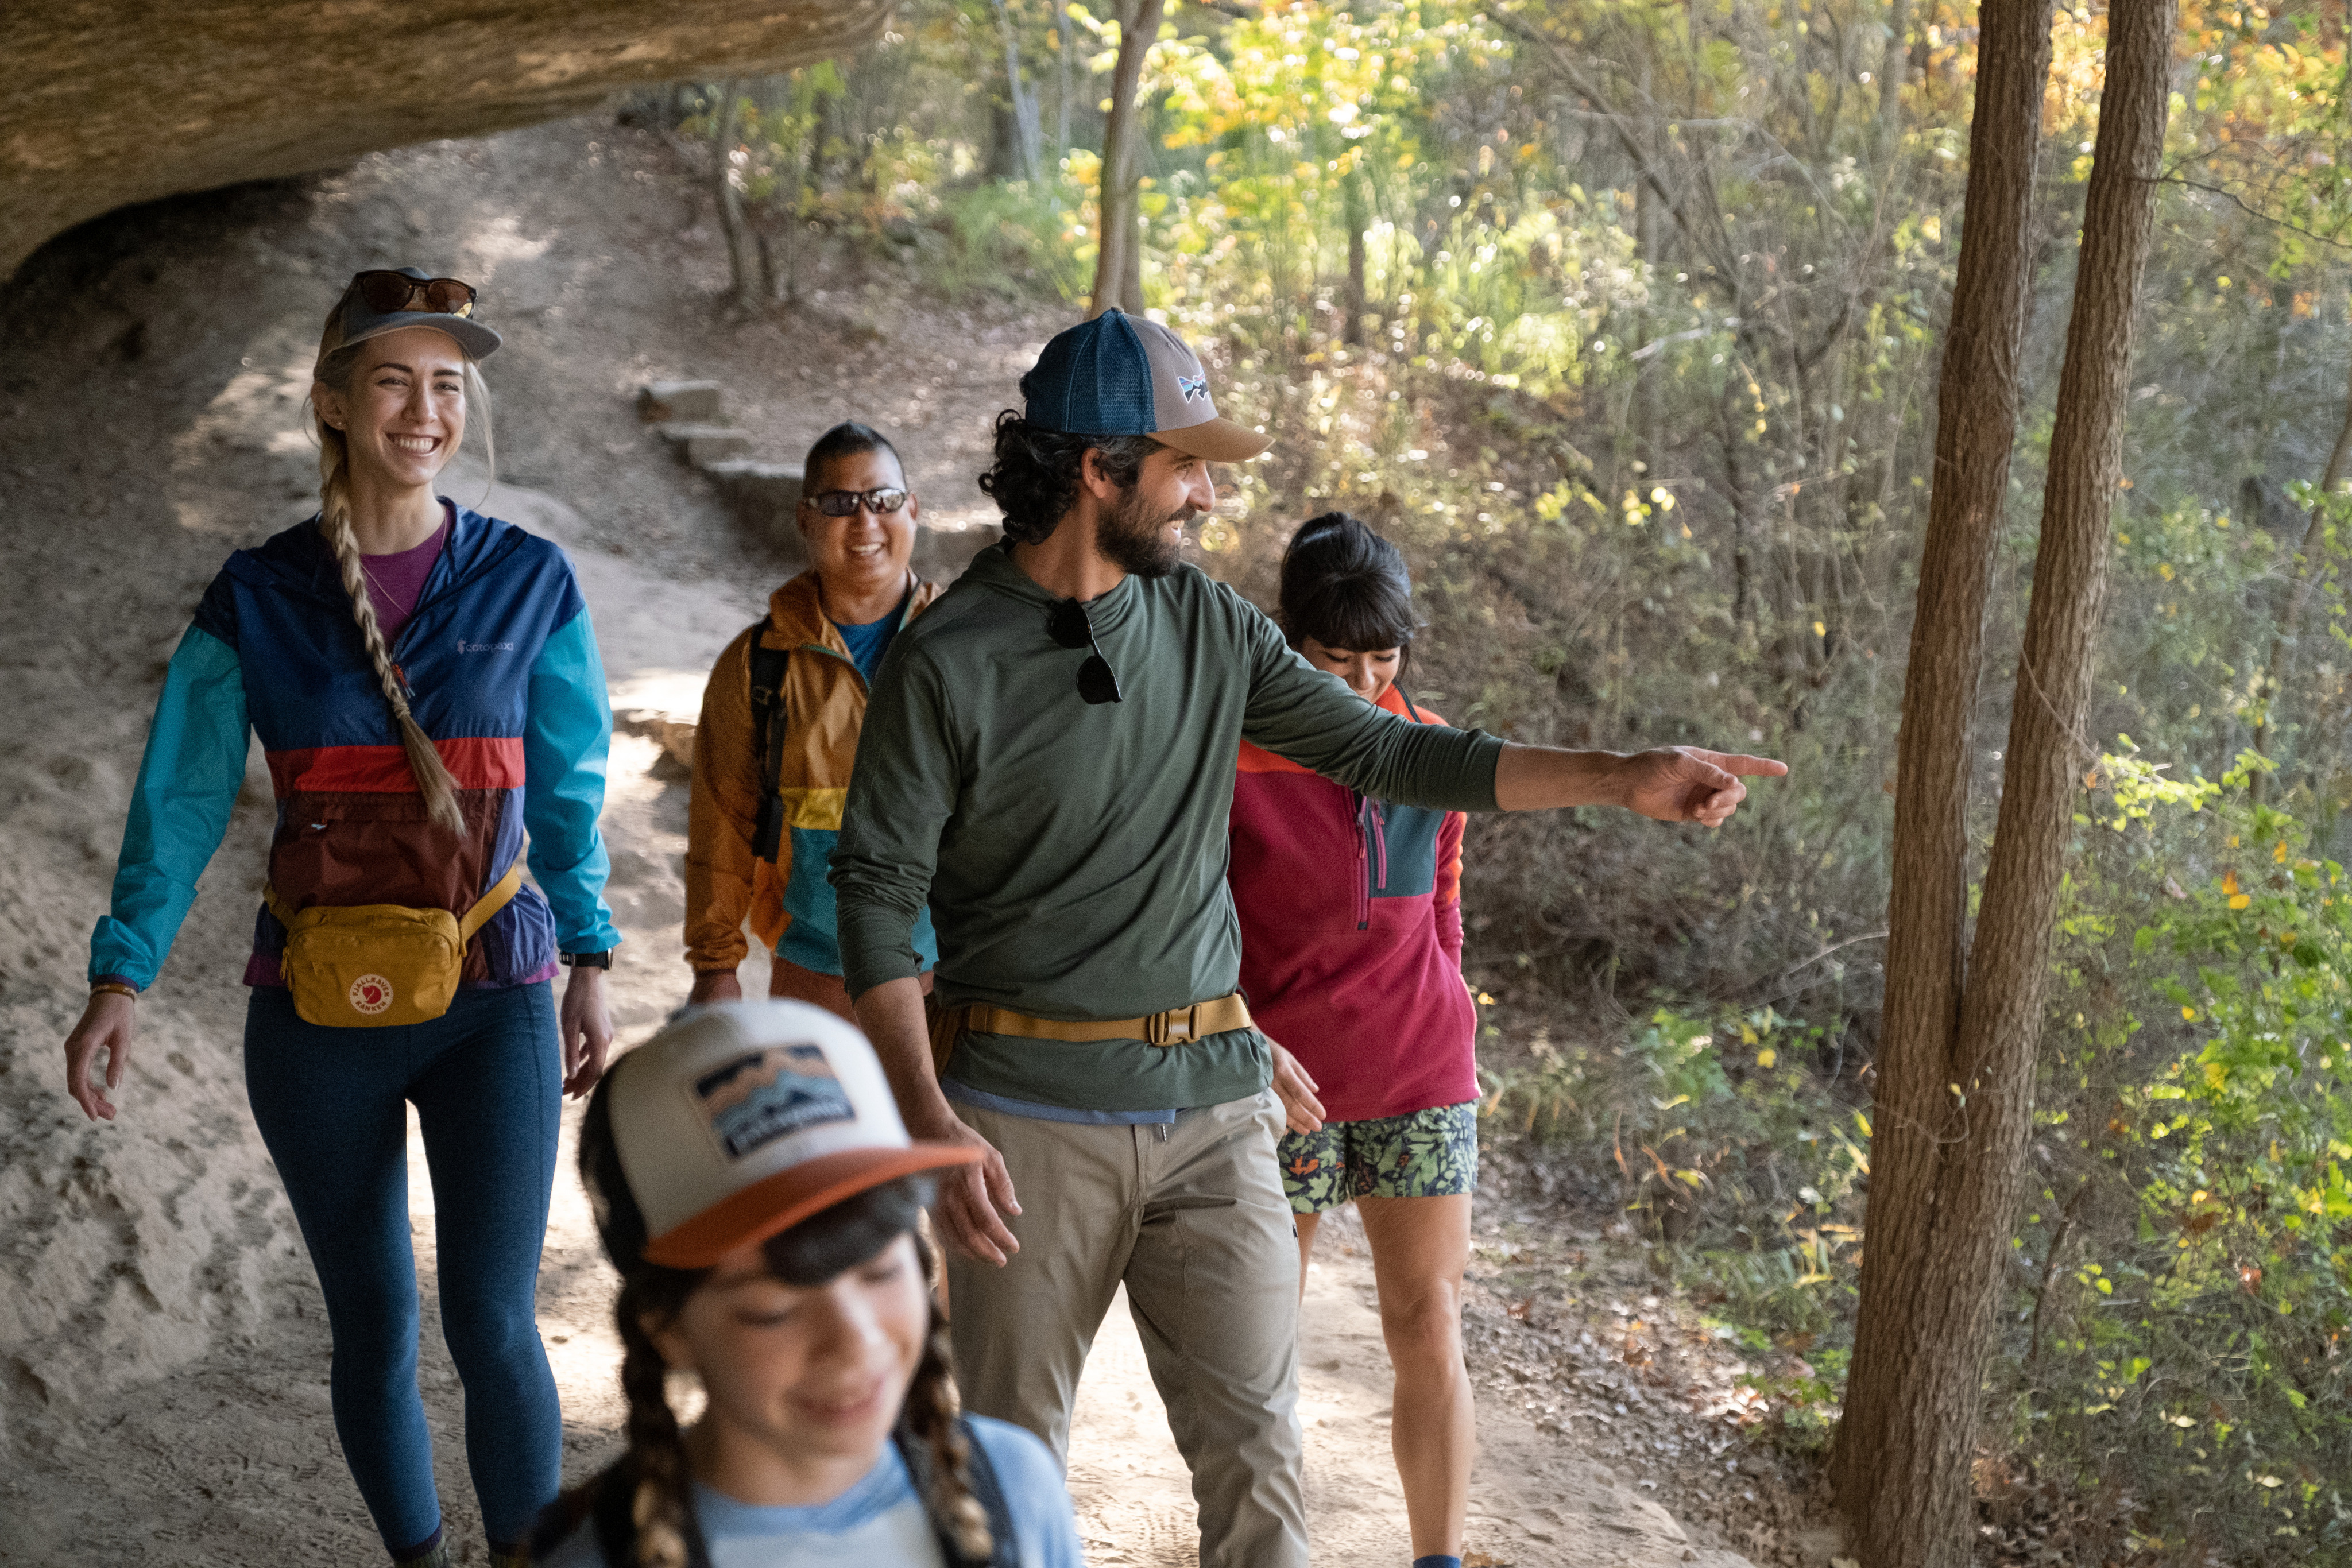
(880, 1523)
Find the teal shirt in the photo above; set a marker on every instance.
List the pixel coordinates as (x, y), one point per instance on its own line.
(1073, 857)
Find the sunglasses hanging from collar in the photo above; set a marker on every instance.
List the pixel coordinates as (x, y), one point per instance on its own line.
(1068, 625)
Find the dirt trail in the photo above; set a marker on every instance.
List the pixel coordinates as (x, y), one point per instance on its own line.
(163, 1349)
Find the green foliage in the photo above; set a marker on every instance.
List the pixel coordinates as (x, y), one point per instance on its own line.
(2197, 1121)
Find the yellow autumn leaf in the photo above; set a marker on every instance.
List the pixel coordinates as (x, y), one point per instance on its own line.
(1767, 1056)
(2241, 901)
(2230, 881)
(1820, 630)
(2278, 855)
(2188, 1013)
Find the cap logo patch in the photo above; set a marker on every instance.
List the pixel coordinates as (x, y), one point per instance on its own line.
(762, 1095)
(1194, 387)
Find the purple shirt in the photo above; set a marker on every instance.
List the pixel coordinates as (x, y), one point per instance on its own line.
(395, 581)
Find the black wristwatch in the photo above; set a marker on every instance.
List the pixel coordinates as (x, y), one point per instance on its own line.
(588, 960)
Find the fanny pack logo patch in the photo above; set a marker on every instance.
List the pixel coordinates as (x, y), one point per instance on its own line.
(371, 994)
(763, 1095)
(466, 647)
(1194, 387)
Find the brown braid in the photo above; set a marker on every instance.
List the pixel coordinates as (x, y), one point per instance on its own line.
(657, 1455)
(334, 370)
(930, 1415)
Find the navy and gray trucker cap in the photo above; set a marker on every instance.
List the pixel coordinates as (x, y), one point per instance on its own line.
(360, 323)
(1122, 375)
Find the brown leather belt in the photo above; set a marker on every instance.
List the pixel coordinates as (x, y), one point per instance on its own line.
(1175, 1027)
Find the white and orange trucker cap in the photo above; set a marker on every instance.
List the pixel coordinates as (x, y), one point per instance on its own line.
(1125, 375)
(744, 1119)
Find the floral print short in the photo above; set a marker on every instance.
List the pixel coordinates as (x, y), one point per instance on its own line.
(1429, 1154)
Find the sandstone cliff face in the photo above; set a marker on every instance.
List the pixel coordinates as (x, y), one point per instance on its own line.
(113, 101)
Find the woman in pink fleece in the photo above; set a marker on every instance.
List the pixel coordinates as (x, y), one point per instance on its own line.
(1351, 958)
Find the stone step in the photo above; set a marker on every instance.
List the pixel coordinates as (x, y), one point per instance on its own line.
(703, 444)
(686, 403)
(764, 494)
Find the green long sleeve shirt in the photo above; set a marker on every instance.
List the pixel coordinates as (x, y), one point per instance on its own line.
(1073, 857)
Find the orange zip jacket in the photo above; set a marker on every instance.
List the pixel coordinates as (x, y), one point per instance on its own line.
(790, 903)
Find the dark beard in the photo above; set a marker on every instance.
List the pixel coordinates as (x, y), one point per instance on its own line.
(1136, 537)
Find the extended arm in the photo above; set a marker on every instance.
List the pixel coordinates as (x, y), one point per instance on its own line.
(1673, 784)
(1311, 717)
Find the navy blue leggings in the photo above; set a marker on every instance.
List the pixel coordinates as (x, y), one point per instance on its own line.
(486, 1082)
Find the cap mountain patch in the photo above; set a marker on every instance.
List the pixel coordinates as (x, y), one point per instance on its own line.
(762, 1095)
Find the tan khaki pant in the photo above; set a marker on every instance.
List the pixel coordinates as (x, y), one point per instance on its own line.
(1192, 1219)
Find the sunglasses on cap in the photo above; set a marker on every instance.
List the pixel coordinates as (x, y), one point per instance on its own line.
(1068, 625)
(844, 503)
(387, 293)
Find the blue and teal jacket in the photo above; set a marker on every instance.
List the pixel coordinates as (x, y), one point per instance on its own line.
(501, 662)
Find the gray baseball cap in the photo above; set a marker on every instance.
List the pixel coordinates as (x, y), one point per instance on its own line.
(362, 320)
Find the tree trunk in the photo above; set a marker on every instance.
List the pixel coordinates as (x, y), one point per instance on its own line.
(743, 267)
(1893, 65)
(1976, 428)
(1955, 1097)
(1028, 129)
(1065, 63)
(1352, 303)
(1645, 239)
(1115, 265)
(2306, 570)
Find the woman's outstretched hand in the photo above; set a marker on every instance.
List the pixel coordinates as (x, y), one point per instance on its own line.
(586, 1027)
(106, 1025)
(1690, 784)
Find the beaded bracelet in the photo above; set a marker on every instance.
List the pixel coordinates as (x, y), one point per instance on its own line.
(117, 987)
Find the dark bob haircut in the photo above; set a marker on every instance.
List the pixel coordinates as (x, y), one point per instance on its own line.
(1035, 481)
(1345, 586)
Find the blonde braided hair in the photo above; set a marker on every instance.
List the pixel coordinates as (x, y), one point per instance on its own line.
(333, 370)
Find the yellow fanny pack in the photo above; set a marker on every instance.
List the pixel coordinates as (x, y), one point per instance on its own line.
(371, 965)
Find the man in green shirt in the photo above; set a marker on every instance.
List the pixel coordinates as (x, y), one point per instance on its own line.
(1047, 764)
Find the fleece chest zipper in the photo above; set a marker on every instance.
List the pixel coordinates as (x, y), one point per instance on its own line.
(1371, 856)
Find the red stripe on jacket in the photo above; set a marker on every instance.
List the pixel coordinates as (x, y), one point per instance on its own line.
(477, 763)
(1366, 992)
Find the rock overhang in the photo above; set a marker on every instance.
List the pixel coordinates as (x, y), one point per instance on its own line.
(112, 103)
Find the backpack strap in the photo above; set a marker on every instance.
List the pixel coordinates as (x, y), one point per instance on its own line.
(768, 666)
(1004, 1550)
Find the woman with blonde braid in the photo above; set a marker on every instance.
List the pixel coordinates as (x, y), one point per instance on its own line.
(756, 1189)
(426, 685)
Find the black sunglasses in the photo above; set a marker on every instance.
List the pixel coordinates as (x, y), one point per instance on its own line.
(387, 292)
(1068, 625)
(844, 503)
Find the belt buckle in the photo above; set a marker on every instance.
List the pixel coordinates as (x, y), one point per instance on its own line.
(1177, 1025)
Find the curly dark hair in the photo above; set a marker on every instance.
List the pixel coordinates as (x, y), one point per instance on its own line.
(1035, 479)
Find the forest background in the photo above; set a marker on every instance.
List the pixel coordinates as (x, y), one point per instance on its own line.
(1625, 321)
